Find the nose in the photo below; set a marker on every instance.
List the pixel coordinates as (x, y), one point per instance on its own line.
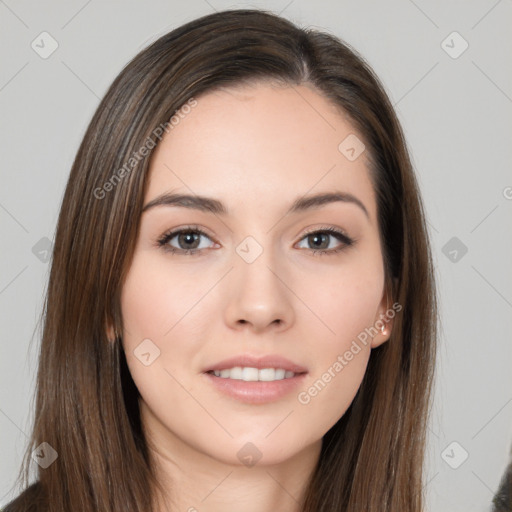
(259, 298)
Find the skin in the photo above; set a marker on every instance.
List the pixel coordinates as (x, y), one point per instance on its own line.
(255, 148)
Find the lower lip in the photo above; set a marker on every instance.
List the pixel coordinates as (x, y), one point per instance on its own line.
(255, 392)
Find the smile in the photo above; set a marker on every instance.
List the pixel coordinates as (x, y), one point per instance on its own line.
(255, 390)
(249, 374)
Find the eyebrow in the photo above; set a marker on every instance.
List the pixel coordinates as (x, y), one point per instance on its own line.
(208, 204)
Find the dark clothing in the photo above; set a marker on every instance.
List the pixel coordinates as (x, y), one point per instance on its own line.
(502, 501)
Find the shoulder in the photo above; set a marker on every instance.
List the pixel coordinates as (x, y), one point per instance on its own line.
(28, 501)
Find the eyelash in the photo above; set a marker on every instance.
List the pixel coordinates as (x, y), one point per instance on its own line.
(163, 241)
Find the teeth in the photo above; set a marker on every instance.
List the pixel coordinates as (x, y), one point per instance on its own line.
(281, 374)
(268, 374)
(249, 374)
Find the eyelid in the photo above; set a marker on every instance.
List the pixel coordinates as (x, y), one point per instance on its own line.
(326, 227)
(188, 227)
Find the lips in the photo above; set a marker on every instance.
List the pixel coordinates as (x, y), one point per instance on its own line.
(248, 361)
(251, 390)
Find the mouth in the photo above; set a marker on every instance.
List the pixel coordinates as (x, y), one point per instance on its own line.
(255, 379)
(249, 374)
(255, 385)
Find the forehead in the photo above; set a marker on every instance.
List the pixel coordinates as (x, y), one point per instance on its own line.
(259, 144)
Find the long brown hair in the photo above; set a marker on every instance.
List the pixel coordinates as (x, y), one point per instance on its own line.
(86, 402)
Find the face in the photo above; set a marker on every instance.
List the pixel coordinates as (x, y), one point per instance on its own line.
(249, 276)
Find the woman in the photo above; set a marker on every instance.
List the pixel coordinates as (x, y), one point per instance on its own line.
(241, 310)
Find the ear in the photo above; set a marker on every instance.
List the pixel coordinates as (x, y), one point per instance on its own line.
(383, 322)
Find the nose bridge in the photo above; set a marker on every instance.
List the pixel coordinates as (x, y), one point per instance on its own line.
(256, 265)
(259, 296)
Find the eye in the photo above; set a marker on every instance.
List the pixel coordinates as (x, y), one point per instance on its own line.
(187, 239)
(319, 239)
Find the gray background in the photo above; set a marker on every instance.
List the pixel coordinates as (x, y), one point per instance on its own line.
(456, 113)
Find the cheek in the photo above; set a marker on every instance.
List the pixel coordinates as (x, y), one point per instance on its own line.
(160, 320)
(345, 305)
(155, 302)
(172, 310)
(340, 366)
(154, 306)
(328, 394)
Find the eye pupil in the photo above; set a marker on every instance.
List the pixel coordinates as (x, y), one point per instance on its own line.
(316, 237)
(186, 238)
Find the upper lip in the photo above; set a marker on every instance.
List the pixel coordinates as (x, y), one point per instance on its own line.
(246, 360)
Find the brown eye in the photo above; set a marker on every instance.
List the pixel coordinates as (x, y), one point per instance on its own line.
(187, 241)
(321, 241)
